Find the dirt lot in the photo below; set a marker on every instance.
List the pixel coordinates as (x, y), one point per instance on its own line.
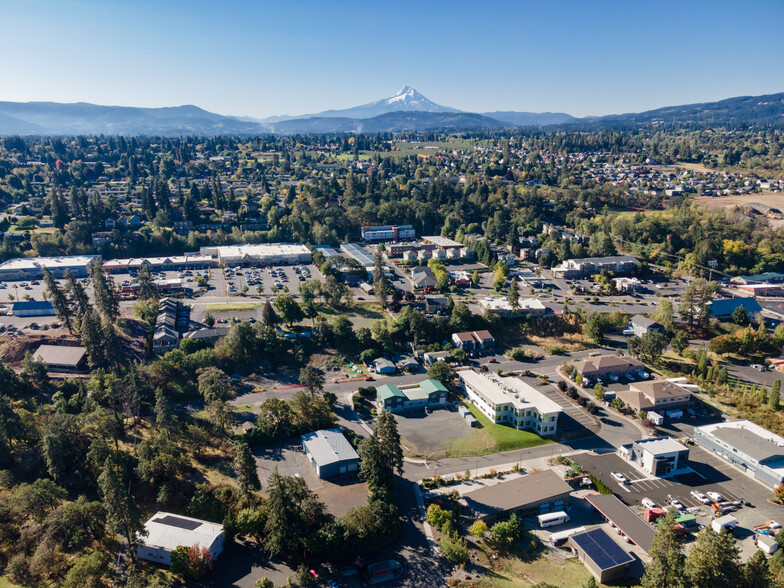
(769, 199)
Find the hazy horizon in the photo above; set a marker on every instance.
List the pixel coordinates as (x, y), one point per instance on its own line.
(246, 58)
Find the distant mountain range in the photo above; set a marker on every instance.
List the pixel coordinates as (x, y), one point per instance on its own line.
(405, 110)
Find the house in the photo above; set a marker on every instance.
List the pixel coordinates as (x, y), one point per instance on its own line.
(61, 358)
(656, 395)
(433, 356)
(436, 304)
(464, 341)
(383, 366)
(33, 308)
(536, 493)
(723, 309)
(484, 339)
(601, 555)
(109, 223)
(659, 457)
(642, 325)
(609, 367)
(134, 222)
(330, 453)
(424, 394)
(165, 532)
(755, 450)
(423, 278)
(406, 363)
(512, 402)
(99, 239)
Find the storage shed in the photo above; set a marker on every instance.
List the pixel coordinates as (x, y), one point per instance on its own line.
(330, 453)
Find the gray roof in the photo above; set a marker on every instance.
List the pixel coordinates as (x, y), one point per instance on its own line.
(625, 519)
(662, 446)
(528, 490)
(60, 355)
(643, 321)
(329, 446)
(607, 260)
(748, 442)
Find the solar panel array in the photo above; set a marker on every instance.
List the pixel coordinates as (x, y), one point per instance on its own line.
(600, 548)
(178, 522)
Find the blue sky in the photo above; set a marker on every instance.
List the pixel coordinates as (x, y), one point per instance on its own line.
(260, 58)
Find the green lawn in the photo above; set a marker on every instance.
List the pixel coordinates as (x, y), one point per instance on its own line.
(6, 583)
(492, 438)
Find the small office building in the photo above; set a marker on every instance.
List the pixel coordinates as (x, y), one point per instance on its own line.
(659, 457)
(748, 446)
(166, 532)
(531, 495)
(62, 358)
(601, 555)
(330, 453)
(609, 367)
(426, 393)
(656, 395)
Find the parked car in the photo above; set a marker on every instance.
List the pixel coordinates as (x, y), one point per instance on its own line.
(675, 502)
(648, 503)
(714, 496)
(700, 496)
(759, 367)
(620, 478)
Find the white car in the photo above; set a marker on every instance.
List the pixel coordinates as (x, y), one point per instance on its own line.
(700, 496)
(648, 503)
(675, 502)
(619, 477)
(715, 496)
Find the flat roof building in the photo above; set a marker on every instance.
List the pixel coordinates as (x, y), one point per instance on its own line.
(358, 253)
(166, 532)
(442, 242)
(33, 308)
(530, 495)
(163, 263)
(388, 233)
(575, 268)
(501, 307)
(330, 453)
(756, 450)
(26, 268)
(61, 358)
(510, 401)
(637, 530)
(259, 254)
(660, 456)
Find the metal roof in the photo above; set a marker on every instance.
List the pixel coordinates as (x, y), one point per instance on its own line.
(32, 305)
(60, 355)
(329, 446)
(661, 446)
(519, 493)
(169, 531)
(728, 306)
(388, 391)
(640, 533)
(748, 442)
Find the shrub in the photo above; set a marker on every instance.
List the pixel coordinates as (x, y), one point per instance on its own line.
(600, 486)
(478, 529)
(437, 516)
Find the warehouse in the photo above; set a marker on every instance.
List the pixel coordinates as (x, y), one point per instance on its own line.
(259, 254)
(757, 451)
(29, 268)
(33, 308)
(330, 453)
(601, 555)
(61, 358)
(166, 532)
(530, 495)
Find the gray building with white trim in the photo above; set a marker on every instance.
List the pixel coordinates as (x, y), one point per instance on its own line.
(330, 453)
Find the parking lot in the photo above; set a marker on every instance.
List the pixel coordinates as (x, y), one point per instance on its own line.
(428, 433)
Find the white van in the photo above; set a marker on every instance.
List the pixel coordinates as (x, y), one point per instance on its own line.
(552, 519)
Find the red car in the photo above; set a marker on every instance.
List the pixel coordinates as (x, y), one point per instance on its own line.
(492, 360)
(369, 379)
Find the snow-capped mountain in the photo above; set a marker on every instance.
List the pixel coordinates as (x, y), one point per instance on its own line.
(407, 99)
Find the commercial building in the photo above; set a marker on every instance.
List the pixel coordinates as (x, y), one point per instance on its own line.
(660, 456)
(33, 308)
(442, 242)
(601, 555)
(330, 453)
(388, 233)
(359, 254)
(166, 532)
(752, 448)
(422, 277)
(578, 268)
(642, 325)
(259, 254)
(173, 318)
(326, 251)
(512, 402)
(158, 264)
(624, 519)
(723, 309)
(531, 495)
(30, 268)
(658, 395)
(609, 367)
(61, 358)
(501, 307)
(396, 398)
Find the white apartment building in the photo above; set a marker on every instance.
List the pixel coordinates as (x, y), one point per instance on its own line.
(512, 402)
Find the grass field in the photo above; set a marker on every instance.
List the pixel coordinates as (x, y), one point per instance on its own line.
(513, 572)
(6, 583)
(238, 307)
(492, 438)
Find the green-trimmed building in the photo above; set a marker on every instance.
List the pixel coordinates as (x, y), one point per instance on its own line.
(426, 393)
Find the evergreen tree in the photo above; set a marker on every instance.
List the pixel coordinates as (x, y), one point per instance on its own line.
(714, 561)
(59, 300)
(268, 316)
(78, 297)
(147, 288)
(374, 470)
(123, 515)
(514, 295)
(59, 209)
(112, 349)
(92, 339)
(105, 298)
(164, 418)
(389, 441)
(666, 569)
(774, 398)
(756, 573)
(381, 284)
(245, 466)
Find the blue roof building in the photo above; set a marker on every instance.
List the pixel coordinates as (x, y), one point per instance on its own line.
(721, 309)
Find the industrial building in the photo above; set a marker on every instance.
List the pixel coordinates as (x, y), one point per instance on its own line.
(61, 358)
(31, 268)
(358, 253)
(659, 456)
(330, 453)
(757, 451)
(531, 495)
(259, 254)
(510, 401)
(501, 307)
(601, 555)
(396, 398)
(166, 532)
(388, 233)
(723, 309)
(326, 251)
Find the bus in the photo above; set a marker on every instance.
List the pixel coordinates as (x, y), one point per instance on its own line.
(558, 539)
(552, 519)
